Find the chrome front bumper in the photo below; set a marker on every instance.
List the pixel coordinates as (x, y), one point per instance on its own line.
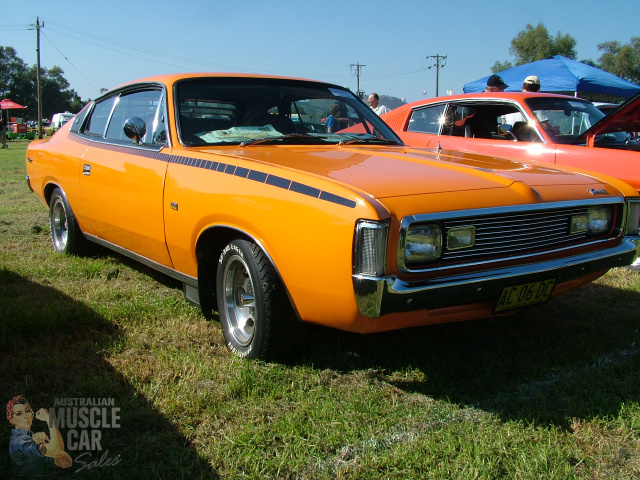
(377, 296)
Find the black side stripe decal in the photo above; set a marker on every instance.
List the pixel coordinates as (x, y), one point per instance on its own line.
(229, 169)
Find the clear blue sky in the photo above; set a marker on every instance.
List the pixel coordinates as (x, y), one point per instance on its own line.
(104, 44)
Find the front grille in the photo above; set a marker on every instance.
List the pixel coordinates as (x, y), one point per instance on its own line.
(502, 233)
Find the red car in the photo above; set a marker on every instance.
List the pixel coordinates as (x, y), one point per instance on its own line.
(527, 126)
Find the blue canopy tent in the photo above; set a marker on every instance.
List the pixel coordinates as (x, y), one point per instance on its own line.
(560, 74)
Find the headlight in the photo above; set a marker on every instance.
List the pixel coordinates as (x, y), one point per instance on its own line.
(633, 217)
(422, 243)
(370, 248)
(599, 220)
(461, 237)
(579, 223)
(596, 220)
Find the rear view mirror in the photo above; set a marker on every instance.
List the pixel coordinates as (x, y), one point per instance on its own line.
(135, 129)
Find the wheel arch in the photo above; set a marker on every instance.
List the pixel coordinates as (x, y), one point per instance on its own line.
(48, 191)
(209, 247)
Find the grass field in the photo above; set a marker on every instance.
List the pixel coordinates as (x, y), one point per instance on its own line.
(552, 392)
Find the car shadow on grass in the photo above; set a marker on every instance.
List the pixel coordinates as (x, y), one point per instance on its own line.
(574, 357)
(53, 347)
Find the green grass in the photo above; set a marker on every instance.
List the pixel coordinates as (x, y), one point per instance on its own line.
(552, 392)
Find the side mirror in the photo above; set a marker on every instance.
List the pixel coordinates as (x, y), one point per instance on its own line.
(135, 129)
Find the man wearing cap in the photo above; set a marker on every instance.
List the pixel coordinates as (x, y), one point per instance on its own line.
(495, 84)
(531, 84)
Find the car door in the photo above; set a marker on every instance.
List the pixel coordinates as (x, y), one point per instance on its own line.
(122, 181)
(468, 126)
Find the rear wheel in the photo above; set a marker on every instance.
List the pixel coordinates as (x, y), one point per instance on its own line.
(254, 312)
(66, 235)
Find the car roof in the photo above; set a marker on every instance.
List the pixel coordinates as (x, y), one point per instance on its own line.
(517, 96)
(169, 79)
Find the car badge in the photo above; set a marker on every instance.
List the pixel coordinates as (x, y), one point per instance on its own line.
(594, 191)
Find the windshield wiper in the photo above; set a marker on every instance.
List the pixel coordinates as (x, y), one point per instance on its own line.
(383, 141)
(289, 136)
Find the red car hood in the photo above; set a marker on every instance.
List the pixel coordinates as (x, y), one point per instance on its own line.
(625, 118)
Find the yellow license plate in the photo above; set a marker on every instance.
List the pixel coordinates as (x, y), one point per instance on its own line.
(522, 295)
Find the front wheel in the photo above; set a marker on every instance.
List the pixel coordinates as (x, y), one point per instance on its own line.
(251, 302)
(66, 235)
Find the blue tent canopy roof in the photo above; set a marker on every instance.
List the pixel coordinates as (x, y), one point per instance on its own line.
(560, 74)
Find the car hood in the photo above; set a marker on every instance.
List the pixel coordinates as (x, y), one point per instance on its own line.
(385, 172)
(625, 118)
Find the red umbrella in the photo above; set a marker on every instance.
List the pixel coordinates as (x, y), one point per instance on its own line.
(7, 104)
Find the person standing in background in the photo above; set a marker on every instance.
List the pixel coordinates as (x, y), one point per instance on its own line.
(495, 84)
(3, 129)
(374, 100)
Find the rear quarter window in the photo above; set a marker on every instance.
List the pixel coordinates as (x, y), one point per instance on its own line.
(426, 120)
(97, 123)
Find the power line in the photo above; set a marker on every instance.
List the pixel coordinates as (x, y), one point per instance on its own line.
(67, 59)
(15, 27)
(85, 36)
(163, 58)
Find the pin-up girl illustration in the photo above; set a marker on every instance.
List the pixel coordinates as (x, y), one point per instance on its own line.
(31, 452)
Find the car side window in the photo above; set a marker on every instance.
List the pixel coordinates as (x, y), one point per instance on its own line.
(97, 123)
(141, 104)
(79, 118)
(426, 120)
(481, 120)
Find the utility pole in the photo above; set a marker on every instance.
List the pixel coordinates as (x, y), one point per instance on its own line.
(357, 67)
(38, 27)
(438, 66)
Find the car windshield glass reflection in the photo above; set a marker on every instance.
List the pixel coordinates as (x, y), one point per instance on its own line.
(260, 111)
(565, 120)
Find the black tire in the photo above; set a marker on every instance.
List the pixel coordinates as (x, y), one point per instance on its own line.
(255, 314)
(66, 236)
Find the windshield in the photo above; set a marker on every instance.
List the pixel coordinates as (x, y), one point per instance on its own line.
(251, 111)
(565, 119)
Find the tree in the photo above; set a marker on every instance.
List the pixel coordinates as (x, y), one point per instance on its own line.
(55, 92)
(535, 43)
(13, 71)
(18, 82)
(500, 66)
(621, 60)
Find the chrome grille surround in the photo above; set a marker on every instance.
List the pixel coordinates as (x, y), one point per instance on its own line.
(511, 232)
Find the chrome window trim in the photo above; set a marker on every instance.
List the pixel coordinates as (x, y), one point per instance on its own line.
(111, 143)
(125, 91)
(461, 214)
(475, 100)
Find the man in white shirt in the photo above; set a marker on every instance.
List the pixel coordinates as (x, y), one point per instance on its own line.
(374, 103)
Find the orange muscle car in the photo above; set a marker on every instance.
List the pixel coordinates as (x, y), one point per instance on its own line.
(233, 185)
(544, 127)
